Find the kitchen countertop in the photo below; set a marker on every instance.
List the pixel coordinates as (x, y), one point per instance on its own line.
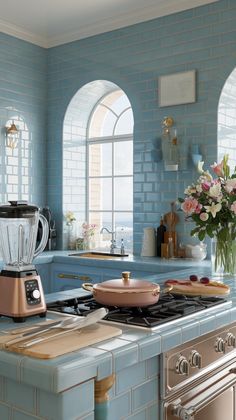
(134, 345)
(130, 262)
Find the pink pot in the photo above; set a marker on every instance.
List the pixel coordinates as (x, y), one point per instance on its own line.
(126, 291)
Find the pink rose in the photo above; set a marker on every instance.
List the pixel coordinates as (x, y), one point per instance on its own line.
(204, 216)
(206, 186)
(189, 205)
(198, 208)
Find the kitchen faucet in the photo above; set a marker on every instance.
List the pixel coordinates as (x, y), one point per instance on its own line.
(113, 238)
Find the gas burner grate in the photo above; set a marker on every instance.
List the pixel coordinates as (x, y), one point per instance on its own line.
(168, 308)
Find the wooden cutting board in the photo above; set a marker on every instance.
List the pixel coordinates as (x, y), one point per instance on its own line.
(64, 344)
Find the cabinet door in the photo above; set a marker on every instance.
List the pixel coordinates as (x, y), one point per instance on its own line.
(66, 277)
(45, 275)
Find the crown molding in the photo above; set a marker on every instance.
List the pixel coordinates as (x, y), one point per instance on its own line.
(21, 33)
(106, 25)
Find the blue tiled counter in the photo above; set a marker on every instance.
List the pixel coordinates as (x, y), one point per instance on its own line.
(63, 388)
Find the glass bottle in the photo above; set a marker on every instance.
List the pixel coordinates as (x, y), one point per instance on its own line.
(160, 236)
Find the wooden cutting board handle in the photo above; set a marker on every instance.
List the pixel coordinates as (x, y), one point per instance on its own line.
(171, 219)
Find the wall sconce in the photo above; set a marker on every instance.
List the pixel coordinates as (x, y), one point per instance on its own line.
(12, 136)
(170, 147)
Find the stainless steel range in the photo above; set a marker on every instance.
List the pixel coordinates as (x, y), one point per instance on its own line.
(169, 308)
(199, 378)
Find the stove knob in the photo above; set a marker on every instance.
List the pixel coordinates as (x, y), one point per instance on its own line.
(195, 359)
(220, 345)
(35, 294)
(230, 340)
(182, 366)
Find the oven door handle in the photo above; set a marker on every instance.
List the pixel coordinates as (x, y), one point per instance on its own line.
(187, 411)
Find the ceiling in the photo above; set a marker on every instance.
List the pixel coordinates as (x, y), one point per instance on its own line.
(53, 22)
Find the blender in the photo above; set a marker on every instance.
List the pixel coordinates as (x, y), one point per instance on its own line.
(21, 292)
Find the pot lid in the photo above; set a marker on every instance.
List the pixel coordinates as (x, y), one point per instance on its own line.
(126, 284)
(17, 209)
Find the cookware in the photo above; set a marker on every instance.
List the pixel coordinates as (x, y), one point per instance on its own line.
(126, 291)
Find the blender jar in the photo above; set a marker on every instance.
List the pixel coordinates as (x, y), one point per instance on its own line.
(18, 234)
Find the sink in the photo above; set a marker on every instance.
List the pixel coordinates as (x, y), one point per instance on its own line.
(100, 255)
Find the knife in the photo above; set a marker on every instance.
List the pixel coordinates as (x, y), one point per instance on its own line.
(34, 330)
(92, 318)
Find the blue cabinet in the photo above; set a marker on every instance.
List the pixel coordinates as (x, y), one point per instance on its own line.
(66, 277)
(45, 274)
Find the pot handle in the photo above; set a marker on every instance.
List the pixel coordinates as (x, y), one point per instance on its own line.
(167, 289)
(87, 286)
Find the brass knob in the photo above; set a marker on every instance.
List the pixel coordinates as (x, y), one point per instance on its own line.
(126, 275)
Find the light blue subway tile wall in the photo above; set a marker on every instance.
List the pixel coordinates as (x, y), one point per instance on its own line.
(23, 97)
(202, 38)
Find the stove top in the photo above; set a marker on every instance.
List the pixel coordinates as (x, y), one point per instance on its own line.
(168, 309)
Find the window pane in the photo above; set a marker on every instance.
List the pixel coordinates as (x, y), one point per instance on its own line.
(123, 193)
(100, 159)
(123, 152)
(117, 101)
(101, 219)
(125, 124)
(109, 121)
(100, 194)
(124, 230)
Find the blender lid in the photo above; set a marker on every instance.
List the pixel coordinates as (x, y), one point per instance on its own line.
(17, 209)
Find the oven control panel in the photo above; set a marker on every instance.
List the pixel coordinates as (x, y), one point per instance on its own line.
(189, 360)
(33, 295)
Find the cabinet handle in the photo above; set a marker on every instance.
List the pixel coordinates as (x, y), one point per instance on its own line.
(74, 277)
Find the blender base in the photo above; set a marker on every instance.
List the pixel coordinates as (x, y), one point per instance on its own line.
(21, 295)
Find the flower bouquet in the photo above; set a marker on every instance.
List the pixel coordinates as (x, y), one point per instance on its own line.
(211, 204)
(88, 231)
(70, 218)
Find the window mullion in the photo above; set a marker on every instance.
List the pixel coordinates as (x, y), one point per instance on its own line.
(113, 195)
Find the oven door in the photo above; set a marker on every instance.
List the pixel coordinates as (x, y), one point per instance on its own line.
(212, 399)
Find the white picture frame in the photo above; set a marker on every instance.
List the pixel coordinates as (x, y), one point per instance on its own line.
(177, 88)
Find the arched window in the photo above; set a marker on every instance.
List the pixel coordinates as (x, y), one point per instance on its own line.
(110, 168)
(226, 120)
(98, 162)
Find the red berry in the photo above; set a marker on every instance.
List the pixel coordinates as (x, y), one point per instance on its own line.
(204, 280)
(193, 277)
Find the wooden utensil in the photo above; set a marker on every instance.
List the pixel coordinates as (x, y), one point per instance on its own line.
(171, 219)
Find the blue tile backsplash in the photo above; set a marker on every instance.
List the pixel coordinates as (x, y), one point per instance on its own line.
(38, 84)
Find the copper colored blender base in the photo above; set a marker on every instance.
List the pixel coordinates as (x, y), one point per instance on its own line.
(13, 297)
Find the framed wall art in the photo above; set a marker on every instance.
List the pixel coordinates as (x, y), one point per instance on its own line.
(177, 88)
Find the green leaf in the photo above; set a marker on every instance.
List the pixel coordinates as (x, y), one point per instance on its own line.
(201, 235)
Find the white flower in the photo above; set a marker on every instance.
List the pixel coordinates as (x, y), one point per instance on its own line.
(213, 209)
(215, 191)
(190, 190)
(200, 166)
(199, 188)
(230, 185)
